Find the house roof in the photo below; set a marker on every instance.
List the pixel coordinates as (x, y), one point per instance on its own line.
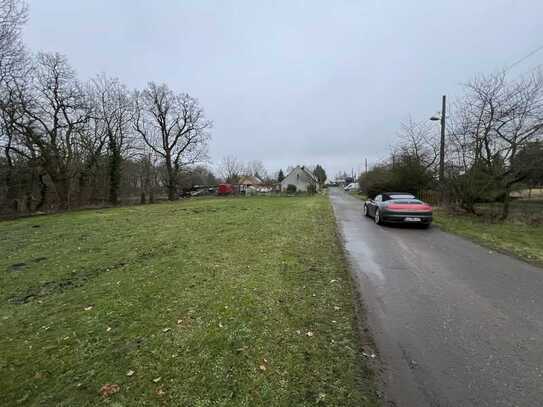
(249, 180)
(305, 170)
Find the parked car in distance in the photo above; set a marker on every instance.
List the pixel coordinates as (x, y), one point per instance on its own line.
(199, 192)
(225, 189)
(398, 207)
(353, 186)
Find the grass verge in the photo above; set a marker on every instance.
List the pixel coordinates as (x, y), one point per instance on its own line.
(358, 195)
(518, 238)
(218, 302)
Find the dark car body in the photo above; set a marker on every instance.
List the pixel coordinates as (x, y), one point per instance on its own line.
(398, 207)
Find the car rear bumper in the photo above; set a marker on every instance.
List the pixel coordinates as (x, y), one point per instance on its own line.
(399, 217)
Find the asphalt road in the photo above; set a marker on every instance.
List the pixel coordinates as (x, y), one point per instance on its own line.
(455, 324)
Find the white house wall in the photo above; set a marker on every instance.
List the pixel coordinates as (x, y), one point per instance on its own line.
(299, 178)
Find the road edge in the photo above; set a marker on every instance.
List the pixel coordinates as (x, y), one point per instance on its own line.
(370, 367)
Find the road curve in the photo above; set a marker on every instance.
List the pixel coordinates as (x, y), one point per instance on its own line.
(455, 324)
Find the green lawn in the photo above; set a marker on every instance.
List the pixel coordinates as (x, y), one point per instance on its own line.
(212, 302)
(521, 235)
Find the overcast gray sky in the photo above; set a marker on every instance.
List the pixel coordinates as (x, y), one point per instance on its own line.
(290, 82)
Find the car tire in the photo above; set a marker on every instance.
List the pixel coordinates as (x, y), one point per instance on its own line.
(366, 210)
(377, 217)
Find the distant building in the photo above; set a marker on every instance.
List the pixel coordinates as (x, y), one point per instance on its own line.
(301, 178)
(250, 185)
(344, 180)
(250, 181)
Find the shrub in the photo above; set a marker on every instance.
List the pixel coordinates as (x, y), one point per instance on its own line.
(291, 189)
(311, 189)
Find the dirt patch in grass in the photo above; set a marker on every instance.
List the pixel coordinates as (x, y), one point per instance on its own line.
(17, 267)
(55, 287)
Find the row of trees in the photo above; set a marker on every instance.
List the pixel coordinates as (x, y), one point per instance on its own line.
(67, 143)
(493, 146)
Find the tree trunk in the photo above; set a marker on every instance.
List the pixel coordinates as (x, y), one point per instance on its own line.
(62, 187)
(11, 192)
(506, 202)
(114, 175)
(43, 192)
(172, 182)
(83, 184)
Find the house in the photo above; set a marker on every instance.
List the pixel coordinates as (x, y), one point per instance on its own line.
(249, 181)
(301, 177)
(249, 184)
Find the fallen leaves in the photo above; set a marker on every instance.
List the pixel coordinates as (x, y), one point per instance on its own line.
(108, 390)
(264, 365)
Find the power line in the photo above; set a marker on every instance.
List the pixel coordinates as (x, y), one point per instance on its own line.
(525, 57)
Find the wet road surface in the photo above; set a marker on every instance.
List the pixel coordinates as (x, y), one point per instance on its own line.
(455, 324)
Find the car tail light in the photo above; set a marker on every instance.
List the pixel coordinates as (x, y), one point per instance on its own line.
(409, 207)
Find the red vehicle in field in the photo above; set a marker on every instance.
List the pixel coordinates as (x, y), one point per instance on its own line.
(225, 189)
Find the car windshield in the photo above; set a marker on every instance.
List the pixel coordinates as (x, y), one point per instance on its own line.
(405, 196)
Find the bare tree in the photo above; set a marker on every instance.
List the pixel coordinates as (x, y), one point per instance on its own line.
(417, 140)
(492, 123)
(13, 15)
(521, 124)
(53, 111)
(231, 169)
(174, 127)
(256, 168)
(114, 114)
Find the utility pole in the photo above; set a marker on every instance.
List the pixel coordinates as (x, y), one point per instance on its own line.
(365, 165)
(442, 146)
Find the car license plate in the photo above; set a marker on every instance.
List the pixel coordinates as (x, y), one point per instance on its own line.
(412, 219)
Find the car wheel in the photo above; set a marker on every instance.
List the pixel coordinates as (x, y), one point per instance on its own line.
(377, 217)
(366, 210)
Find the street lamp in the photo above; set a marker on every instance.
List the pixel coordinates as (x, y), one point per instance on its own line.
(441, 118)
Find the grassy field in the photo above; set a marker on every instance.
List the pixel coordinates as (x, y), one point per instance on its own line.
(213, 302)
(521, 235)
